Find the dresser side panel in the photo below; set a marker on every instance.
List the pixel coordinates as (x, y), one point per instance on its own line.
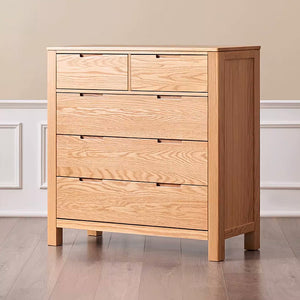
(240, 134)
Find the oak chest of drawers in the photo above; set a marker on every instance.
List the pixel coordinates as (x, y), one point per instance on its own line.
(155, 141)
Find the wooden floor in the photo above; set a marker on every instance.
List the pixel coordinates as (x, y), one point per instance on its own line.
(119, 266)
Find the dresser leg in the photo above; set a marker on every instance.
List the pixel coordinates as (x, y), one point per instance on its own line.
(252, 239)
(55, 236)
(94, 233)
(216, 250)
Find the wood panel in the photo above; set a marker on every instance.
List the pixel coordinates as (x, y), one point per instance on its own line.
(133, 229)
(252, 239)
(150, 49)
(170, 117)
(239, 138)
(180, 206)
(216, 241)
(169, 73)
(166, 161)
(90, 71)
(54, 234)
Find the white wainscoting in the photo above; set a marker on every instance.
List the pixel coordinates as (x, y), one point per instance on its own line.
(23, 180)
(27, 195)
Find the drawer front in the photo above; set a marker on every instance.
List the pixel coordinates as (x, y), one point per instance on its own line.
(170, 117)
(107, 72)
(169, 161)
(186, 73)
(132, 202)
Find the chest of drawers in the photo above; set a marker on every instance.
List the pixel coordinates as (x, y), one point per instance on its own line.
(154, 141)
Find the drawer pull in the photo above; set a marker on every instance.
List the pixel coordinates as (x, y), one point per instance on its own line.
(89, 137)
(168, 185)
(168, 97)
(89, 54)
(157, 56)
(89, 179)
(90, 94)
(169, 141)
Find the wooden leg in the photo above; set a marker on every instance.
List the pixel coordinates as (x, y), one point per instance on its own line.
(94, 233)
(252, 239)
(55, 236)
(216, 250)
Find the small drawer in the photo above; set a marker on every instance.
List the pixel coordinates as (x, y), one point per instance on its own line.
(180, 206)
(151, 160)
(92, 71)
(170, 117)
(185, 73)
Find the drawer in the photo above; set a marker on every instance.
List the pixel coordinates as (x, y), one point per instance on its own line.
(151, 160)
(107, 72)
(170, 117)
(186, 73)
(180, 206)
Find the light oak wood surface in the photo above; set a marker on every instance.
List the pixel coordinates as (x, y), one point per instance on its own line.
(134, 229)
(216, 240)
(165, 161)
(54, 234)
(92, 71)
(132, 202)
(166, 118)
(152, 49)
(156, 116)
(169, 73)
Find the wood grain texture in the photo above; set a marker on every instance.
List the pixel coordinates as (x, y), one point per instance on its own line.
(252, 239)
(239, 138)
(169, 73)
(150, 49)
(216, 241)
(133, 229)
(245, 228)
(54, 234)
(170, 117)
(106, 72)
(180, 162)
(132, 202)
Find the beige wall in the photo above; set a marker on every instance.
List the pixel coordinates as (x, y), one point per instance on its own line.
(28, 27)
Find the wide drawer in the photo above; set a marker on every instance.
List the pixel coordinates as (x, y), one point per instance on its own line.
(171, 117)
(186, 73)
(78, 71)
(169, 161)
(132, 203)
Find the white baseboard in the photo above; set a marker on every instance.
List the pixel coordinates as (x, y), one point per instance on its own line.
(22, 213)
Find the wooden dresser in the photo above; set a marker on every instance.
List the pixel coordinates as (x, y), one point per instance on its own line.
(155, 141)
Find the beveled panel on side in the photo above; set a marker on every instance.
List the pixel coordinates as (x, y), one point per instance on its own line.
(186, 73)
(137, 203)
(147, 116)
(92, 71)
(151, 160)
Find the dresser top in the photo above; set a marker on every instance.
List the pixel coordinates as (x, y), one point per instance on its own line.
(154, 48)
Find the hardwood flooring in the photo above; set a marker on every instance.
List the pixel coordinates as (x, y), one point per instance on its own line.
(120, 266)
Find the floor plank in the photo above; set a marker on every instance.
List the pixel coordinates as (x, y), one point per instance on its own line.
(81, 272)
(279, 264)
(17, 249)
(161, 271)
(200, 279)
(121, 270)
(291, 230)
(6, 225)
(39, 275)
(120, 266)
